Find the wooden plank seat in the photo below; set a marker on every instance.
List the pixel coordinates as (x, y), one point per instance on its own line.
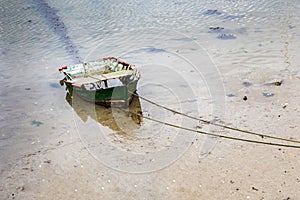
(101, 77)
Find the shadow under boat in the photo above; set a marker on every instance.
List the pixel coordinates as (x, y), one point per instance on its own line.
(117, 119)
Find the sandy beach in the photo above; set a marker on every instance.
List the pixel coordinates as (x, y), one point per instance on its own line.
(232, 62)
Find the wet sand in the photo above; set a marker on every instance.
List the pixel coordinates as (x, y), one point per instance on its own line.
(64, 169)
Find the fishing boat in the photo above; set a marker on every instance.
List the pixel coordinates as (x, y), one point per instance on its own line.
(108, 81)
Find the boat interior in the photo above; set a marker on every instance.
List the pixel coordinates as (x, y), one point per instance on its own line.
(101, 74)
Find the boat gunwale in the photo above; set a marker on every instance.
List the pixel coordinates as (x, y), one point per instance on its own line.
(129, 67)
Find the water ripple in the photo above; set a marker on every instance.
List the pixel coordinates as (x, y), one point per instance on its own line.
(58, 26)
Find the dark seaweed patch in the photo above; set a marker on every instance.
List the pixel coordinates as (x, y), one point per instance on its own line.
(267, 94)
(216, 29)
(230, 95)
(212, 12)
(153, 50)
(58, 27)
(36, 123)
(247, 84)
(27, 8)
(225, 36)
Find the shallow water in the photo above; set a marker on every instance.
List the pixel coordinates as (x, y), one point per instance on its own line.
(183, 58)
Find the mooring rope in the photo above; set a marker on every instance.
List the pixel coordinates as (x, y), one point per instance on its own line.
(219, 125)
(215, 124)
(213, 134)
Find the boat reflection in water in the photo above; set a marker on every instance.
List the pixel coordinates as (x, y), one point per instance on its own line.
(119, 120)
